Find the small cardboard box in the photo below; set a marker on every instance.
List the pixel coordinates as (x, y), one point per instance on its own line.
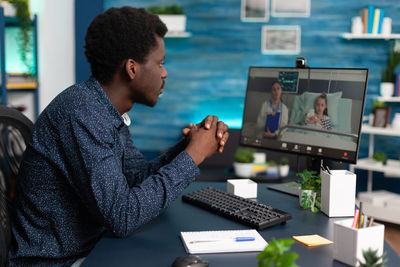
(242, 187)
(338, 193)
(349, 243)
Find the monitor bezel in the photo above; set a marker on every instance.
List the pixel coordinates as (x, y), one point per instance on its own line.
(312, 155)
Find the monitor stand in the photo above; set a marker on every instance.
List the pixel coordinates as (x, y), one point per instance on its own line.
(292, 188)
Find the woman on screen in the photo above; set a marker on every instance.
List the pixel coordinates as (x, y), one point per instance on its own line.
(319, 115)
(273, 114)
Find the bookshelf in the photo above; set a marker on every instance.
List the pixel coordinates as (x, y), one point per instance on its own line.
(17, 86)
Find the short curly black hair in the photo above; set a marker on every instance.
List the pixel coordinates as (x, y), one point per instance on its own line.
(119, 34)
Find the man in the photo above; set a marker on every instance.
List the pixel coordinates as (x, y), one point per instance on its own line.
(81, 175)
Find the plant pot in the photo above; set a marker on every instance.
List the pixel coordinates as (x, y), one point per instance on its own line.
(396, 121)
(284, 170)
(272, 172)
(174, 23)
(387, 89)
(307, 199)
(244, 170)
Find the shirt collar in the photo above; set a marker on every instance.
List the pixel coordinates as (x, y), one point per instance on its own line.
(102, 97)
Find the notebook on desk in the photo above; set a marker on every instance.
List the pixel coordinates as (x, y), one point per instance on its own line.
(223, 241)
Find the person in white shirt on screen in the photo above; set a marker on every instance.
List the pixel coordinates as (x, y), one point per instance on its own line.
(272, 106)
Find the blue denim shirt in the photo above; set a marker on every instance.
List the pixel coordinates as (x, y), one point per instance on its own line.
(82, 176)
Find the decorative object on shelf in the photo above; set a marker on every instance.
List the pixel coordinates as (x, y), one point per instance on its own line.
(396, 121)
(284, 167)
(272, 169)
(24, 38)
(388, 77)
(372, 259)
(9, 9)
(380, 157)
(290, 8)
(381, 116)
(387, 26)
(310, 190)
(173, 16)
(243, 162)
(278, 253)
(356, 25)
(254, 11)
(281, 39)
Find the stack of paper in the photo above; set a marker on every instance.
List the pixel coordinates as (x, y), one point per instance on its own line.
(223, 241)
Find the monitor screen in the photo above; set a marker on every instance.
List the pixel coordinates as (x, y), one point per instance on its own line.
(309, 111)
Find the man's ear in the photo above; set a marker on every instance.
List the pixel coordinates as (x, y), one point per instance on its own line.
(131, 68)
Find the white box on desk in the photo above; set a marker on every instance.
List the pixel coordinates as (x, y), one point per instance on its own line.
(338, 193)
(349, 243)
(242, 187)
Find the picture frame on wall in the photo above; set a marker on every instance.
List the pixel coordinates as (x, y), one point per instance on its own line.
(290, 8)
(281, 40)
(254, 10)
(381, 116)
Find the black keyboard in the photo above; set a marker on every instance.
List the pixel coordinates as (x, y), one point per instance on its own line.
(245, 211)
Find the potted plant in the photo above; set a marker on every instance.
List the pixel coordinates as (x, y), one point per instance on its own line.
(371, 259)
(387, 84)
(272, 169)
(380, 157)
(25, 22)
(243, 162)
(173, 16)
(310, 190)
(278, 253)
(284, 167)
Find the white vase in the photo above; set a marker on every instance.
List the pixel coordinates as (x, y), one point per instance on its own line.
(174, 23)
(244, 170)
(396, 121)
(283, 170)
(387, 89)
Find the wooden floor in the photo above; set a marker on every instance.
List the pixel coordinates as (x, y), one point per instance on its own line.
(392, 236)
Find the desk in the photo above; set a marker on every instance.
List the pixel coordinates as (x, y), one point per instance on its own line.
(158, 243)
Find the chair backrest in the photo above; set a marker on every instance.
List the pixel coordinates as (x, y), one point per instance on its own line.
(15, 132)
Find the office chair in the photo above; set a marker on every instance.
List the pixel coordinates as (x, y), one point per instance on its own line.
(15, 131)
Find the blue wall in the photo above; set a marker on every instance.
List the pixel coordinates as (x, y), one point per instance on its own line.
(208, 72)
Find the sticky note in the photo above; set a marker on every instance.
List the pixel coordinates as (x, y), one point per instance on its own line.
(312, 240)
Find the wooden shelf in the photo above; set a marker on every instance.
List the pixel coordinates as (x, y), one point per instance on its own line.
(380, 130)
(350, 36)
(389, 99)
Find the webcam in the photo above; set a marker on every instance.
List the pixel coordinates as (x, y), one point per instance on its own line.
(301, 63)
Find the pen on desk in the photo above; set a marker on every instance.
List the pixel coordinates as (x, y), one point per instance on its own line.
(359, 217)
(236, 239)
(371, 221)
(365, 221)
(356, 214)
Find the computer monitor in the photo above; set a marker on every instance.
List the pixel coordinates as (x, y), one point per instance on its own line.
(307, 111)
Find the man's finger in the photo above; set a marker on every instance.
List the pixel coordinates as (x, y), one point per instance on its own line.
(221, 129)
(207, 122)
(185, 131)
(224, 139)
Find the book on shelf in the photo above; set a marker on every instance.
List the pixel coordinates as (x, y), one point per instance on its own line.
(370, 18)
(20, 81)
(375, 25)
(364, 17)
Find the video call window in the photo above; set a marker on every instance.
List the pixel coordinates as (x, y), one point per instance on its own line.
(307, 111)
